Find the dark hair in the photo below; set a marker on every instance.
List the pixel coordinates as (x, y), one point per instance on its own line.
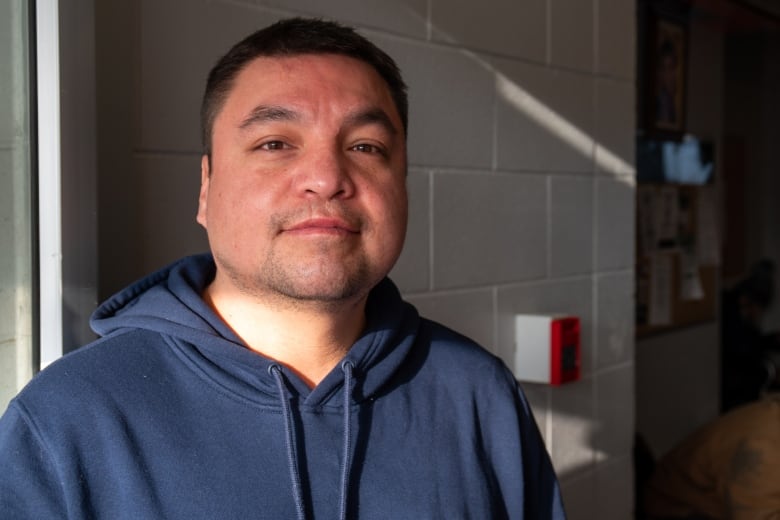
(293, 37)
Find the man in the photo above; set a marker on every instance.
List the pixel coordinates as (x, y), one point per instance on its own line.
(729, 469)
(282, 377)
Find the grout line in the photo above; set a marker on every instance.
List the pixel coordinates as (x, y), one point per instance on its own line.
(535, 282)
(429, 20)
(596, 64)
(548, 225)
(494, 159)
(431, 232)
(495, 345)
(612, 368)
(548, 32)
(548, 433)
(594, 357)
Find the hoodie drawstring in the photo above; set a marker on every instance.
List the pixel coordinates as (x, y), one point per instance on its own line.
(289, 430)
(292, 456)
(346, 367)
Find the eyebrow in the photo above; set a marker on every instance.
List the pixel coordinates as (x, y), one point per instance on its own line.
(274, 113)
(371, 116)
(264, 113)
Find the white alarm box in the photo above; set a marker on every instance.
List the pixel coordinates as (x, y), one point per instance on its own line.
(547, 348)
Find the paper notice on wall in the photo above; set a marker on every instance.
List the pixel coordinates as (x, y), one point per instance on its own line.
(708, 240)
(690, 281)
(660, 290)
(667, 217)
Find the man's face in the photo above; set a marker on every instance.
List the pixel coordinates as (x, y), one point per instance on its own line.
(305, 197)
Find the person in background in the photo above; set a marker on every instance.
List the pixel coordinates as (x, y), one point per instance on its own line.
(727, 470)
(746, 368)
(282, 375)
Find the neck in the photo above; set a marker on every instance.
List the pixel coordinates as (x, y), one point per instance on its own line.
(309, 338)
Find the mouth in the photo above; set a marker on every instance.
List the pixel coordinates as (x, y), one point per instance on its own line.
(322, 226)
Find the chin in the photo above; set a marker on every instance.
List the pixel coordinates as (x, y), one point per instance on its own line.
(324, 284)
(326, 291)
(330, 280)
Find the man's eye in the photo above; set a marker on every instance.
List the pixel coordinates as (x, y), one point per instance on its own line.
(367, 148)
(273, 145)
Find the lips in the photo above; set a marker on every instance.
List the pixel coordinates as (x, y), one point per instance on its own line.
(322, 225)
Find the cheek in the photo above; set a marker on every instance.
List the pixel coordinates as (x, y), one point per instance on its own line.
(392, 211)
(401, 200)
(402, 213)
(239, 191)
(233, 209)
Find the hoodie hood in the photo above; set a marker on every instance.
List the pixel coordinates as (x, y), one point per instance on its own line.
(169, 302)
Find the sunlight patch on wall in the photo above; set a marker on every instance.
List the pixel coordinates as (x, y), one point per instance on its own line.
(560, 127)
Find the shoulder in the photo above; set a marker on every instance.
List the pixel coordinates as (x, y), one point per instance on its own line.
(93, 373)
(448, 346)
(459, 362)
(483, 398)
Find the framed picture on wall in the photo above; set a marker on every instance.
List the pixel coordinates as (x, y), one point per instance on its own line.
(667, 75)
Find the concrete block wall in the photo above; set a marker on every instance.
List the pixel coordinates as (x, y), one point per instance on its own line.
(521, 179)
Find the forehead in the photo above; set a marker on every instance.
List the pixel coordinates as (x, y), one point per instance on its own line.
(307, 81)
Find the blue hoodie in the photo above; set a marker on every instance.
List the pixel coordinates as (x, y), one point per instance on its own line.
(169, 415)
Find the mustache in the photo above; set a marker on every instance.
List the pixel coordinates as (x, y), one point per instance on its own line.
(329, 210)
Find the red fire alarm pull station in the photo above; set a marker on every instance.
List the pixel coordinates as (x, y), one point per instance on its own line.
(547, 348)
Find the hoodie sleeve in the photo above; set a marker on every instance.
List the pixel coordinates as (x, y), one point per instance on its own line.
(29, 486)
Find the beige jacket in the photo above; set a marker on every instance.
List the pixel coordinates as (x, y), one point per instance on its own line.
(729, 469)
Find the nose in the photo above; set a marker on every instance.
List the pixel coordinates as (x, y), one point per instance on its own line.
(324, 173)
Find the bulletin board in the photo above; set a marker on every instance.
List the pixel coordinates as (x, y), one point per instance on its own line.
(677, 256)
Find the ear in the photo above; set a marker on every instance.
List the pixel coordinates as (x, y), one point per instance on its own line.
(205, 177)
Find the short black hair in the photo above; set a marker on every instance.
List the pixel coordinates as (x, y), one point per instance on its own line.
(295, 37)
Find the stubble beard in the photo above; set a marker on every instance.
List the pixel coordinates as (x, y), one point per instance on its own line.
(317, 281)
(304, 282)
